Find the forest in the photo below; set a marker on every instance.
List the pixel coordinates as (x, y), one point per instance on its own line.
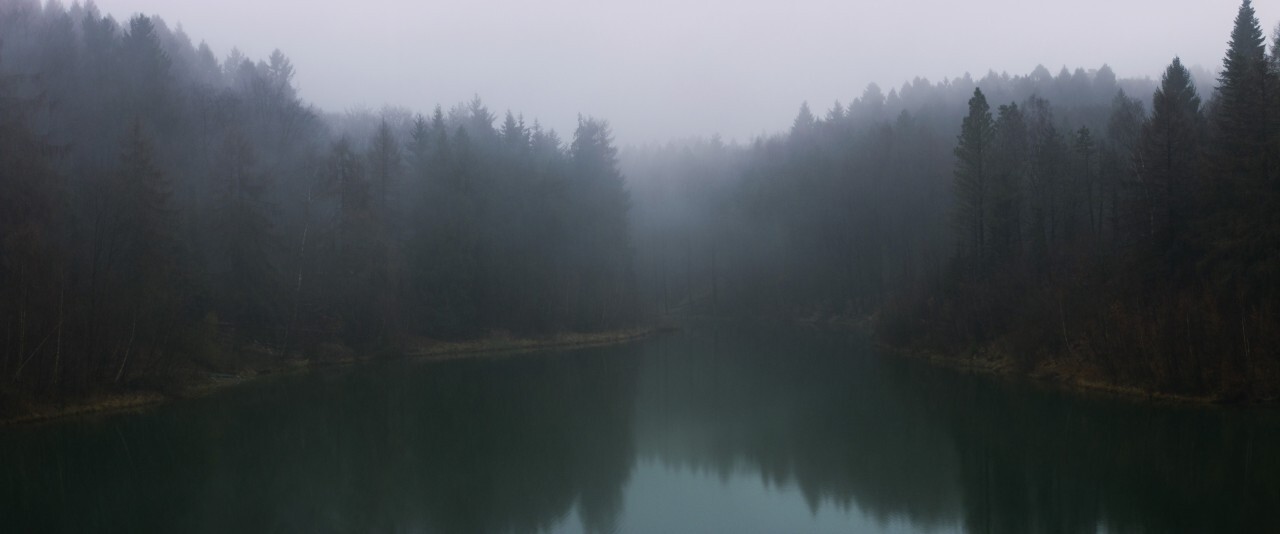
(1114, 232)
(161, 207)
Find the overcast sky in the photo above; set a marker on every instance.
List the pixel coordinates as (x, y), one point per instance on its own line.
(658, 69)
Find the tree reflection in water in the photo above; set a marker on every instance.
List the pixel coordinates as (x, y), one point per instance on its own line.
(554, 442)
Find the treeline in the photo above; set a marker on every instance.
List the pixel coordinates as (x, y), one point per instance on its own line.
(846, 212)
(1150, 261)
(1113, 231)
(158, 205)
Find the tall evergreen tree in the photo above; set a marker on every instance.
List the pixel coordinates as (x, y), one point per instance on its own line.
(147, 68)
(1242, 222)
(604, 259)
(973, 155)
(1120, 161)
(804, 122)
(1242, 127)
(514, 133)
(1171, 145)
(1008, 171)
(359, 249)
(384, 168)
(1085, 149)
(1047, 194)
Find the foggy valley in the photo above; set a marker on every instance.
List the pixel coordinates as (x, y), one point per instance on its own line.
(775, 294)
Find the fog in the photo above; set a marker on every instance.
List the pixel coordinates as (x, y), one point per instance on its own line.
(391, 173)
(1084, 194)
(669, 69)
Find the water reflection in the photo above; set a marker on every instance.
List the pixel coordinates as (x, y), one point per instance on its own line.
(469, 446)
(739, 425)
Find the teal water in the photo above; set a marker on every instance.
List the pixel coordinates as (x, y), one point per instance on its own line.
(711, 430)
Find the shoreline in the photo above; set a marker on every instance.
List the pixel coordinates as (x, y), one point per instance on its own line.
(208, 382)
(1060, 374)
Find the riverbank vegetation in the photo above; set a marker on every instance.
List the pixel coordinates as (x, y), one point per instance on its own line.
(162, 210)
(1149, 265)
(1120, 233)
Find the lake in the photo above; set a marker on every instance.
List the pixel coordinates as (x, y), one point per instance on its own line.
(715, 429)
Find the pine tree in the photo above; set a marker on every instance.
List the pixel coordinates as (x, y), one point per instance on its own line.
(347, 181)
(1120, 161)
(1008, 169)
(1046, 191)
(480, 119)
(359, 249)
(419, 145)
(514, 133)
(1242, 219)
(384, 168)
(1085, 149)
(973, 155)
(279, 74)
(603, 263)
(804, 122)
(147, 71)
(1243, 130)
(1171, 144)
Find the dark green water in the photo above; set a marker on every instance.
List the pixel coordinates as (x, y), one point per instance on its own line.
(707, 431)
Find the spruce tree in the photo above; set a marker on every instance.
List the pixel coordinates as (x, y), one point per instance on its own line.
(1047, 195)
(384, 168)
(1119, 163)
(1008, 169)
(973, 154)
(602, 226)
(804, 122)
(1242, 217)
(1171, 144)
(146, 69)
(1085, 148)
(1241, 124)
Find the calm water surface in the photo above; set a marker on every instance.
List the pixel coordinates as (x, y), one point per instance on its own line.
(712, 430)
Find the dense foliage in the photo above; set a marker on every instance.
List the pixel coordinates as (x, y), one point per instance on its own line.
(856, 208)
(1057, 223)
(158, 205)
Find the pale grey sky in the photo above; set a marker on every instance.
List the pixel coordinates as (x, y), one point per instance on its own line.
(658, 69)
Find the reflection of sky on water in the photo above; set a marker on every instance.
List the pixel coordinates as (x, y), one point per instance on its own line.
(741, 502)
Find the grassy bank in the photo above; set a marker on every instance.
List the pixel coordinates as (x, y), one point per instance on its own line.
(236, 366)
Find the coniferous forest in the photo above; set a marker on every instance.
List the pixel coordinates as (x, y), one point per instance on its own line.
(162, 208)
